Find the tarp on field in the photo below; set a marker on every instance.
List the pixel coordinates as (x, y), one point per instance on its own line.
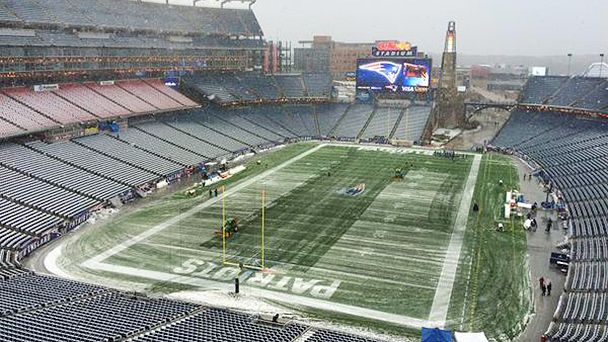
(436, 335)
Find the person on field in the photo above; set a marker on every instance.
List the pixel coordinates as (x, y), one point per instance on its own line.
(549, 287)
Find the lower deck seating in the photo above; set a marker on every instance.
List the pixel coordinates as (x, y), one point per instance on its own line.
(573, 155)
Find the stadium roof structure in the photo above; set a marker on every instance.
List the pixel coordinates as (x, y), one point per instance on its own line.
(597, 70)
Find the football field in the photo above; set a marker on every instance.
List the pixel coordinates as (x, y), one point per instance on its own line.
(342, 234)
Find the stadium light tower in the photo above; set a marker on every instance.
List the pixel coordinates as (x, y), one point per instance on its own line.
(601, 64)
(569, 63)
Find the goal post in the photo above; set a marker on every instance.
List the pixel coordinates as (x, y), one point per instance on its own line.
(225, 241)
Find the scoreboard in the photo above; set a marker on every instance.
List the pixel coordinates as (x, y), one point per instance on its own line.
(393, 75)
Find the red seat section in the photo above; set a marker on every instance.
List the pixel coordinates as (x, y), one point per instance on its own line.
(22, 116)
(174, 94)
(123, 98)
(50, 105)
(88, 99)
(149, 94)
(7, 129)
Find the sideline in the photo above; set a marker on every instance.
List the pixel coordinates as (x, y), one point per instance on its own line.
(443, 294)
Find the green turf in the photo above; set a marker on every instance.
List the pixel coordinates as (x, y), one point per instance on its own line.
(493, 292)
(384, 247)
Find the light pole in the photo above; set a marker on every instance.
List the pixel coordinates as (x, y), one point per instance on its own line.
(601, 64)
(569, 63)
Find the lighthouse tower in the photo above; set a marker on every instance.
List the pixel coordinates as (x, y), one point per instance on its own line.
(448, 63)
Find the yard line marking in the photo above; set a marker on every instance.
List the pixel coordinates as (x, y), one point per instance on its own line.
(443, 294)
(162, 226)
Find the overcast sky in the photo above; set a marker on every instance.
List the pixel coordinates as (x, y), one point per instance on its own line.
(488, 27)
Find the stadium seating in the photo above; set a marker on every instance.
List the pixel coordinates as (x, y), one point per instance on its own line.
(23, 110)
(96, 163)
(42, 196)
(572, 153)
(190, 149)
(539, 89)
(129, 154)
(50, 105)
(91, 101)
(19, 115)
(412, 124)
(235, 118)
(381, 125)
(26, 220)
(253, 87)
(257, 116)
(174, 94)
(53, 171)
(328, 116)
(292, 86)
(317, 85)
(149, 94)
(596, 99)
(229, 130)
(559, 92)
(353, 122)
(143, 16)
(223, 326)
(123, 97)
(574, 89)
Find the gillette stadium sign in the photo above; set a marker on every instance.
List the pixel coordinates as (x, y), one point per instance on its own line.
(394, 48)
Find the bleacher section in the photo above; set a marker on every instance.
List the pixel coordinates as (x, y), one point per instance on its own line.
(149, 94)
(585, 93)
(230, 88)
(353, 122)
(96, 163)
(130, 154)
(93, 102)
(50, 105)
(539, 89)
(19, 115)
(572, 152)
(23, 110)
(53, 171)
(39, 195)
(292, 86)
(36, 308)
(328, 116)
(223, 326)
(317, 85)
(412, 124)
(140, 16)
(382, 123)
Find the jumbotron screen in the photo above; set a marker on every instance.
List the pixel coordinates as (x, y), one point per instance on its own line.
(396, 75)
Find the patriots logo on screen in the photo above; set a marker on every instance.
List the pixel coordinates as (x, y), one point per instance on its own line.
(389, 70)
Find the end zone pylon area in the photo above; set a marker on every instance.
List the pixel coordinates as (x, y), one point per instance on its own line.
(228, 234)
